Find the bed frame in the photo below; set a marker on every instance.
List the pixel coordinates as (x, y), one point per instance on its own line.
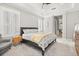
(33, 44)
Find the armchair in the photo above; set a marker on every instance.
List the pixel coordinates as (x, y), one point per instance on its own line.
(5, 45)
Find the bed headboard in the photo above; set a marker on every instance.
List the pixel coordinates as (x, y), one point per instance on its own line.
(27, 28)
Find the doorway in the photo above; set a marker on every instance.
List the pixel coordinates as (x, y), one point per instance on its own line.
(58, 25)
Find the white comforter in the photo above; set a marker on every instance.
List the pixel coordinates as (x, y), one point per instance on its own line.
(44, 42)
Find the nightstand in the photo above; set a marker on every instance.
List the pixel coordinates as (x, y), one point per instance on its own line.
(16, 39)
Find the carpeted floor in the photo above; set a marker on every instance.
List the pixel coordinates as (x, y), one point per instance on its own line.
(59, 48)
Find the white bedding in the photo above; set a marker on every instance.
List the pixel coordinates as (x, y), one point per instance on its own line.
(27, 36)
(44, 42)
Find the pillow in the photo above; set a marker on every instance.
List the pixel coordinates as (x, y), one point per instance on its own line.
(30, 31)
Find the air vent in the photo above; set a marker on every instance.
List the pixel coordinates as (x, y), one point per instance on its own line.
(53, 8)
(46, 3)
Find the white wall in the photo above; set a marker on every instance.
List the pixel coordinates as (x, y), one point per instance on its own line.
(64, 25)
(1, 23)
(28, 20)
(11, 27)
(49, 24)
(72, 18)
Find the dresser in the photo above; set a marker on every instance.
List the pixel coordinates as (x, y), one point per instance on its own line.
(77, 42)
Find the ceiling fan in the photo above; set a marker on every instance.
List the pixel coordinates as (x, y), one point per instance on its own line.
(47, 5)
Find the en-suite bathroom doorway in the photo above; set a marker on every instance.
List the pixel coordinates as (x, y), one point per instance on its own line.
(58, 25)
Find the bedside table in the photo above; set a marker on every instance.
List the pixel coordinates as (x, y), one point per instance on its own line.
(16, 39)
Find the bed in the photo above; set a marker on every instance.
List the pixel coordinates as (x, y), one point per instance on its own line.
(37, 39)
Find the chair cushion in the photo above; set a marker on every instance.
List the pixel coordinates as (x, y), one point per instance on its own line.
(4, 40)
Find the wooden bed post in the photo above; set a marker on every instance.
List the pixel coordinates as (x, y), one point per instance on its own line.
(43, 53)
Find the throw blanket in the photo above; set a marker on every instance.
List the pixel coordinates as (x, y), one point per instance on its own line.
(39, 36)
